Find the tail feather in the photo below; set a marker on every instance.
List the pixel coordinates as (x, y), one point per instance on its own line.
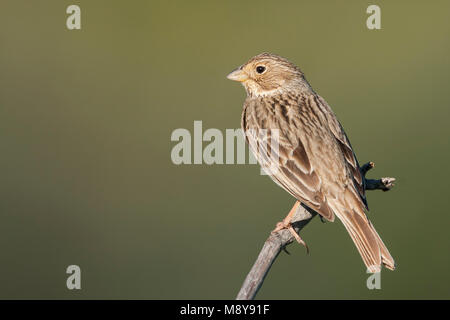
(386, 257)
(369, 244)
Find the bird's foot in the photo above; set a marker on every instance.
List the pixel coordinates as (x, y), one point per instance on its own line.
(283, 225)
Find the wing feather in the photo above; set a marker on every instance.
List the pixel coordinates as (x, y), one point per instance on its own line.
(347, 150)
(287, 164)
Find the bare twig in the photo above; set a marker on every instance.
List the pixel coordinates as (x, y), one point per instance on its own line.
(278, 241)
(384, 184)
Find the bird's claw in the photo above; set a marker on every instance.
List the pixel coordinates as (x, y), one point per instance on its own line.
(281, 226)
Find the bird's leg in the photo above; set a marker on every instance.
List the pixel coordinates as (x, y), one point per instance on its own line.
(286, 224)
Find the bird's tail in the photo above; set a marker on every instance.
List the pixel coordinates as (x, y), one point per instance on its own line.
(369, 244)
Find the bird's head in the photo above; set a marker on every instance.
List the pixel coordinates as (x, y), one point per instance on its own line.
(267, 74)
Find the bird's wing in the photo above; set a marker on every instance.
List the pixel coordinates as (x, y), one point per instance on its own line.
(344, 143)
(287, 163)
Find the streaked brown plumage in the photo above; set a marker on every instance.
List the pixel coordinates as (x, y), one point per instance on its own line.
(314, 160)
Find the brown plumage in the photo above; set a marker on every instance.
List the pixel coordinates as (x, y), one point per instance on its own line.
(292, 130)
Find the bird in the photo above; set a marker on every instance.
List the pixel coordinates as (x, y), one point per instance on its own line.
(297, 138)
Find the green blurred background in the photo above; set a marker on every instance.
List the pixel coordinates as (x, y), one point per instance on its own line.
(86, 175)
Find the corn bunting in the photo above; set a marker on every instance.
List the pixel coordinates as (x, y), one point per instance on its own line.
(307, 149)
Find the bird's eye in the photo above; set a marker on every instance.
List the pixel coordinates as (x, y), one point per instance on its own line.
(260, 69)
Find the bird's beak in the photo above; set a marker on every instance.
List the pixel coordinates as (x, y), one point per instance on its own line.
(238, 75)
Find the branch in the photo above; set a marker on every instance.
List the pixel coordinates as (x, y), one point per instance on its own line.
(384, 184)
(278, 241)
